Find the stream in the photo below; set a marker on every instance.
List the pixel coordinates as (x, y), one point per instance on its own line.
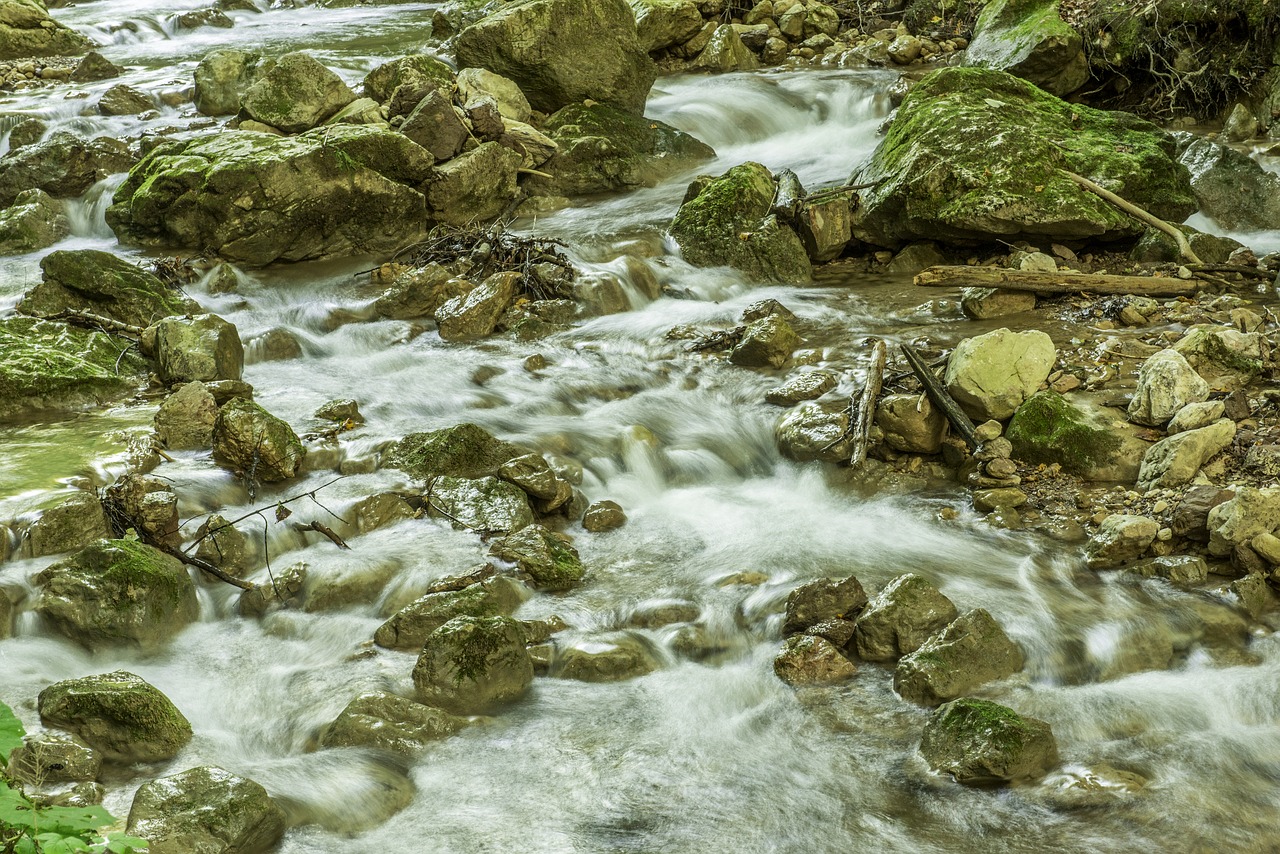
(706, 755)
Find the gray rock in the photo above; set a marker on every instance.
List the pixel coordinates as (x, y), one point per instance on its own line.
(1194, 416)
(206, 809)
(185, 419)
(979, 743)
(418, 72)
(900, 618)
(476, 84)
(483, 504)
(992, 374)
(1029, 38)
(35, 221)
(381, 511)
(26, 30)
(725, 53)
(477, 185)
(68, 527)
(548, 559)
(252, 440)
(1227, 359)
(811, 660)
(64, 166)
(473, 665)
(1176, 460)
(53, 757)
(967, 654)
(93, 67)
(986, 303)
(1166, 383)
(118, 714)
(296, 94)
(476, 314)
(613, 657)
(420, 293)
(910, 423)
(463, 451)
(202, 348)
(435, 126)
(766, 343)
(1249, 514)
(1231, 187)
(1120, 538)
(385, 721)
(409, 628)
(225, 546)
(823, 599)
(103, 284)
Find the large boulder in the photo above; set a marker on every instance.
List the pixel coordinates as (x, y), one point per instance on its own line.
(70, 526)
(728, 223)
(1226, 358)
(603, 149)
(462, 451)
(561, 52)
(475, 186)
(118, 591)
(473, 665)
(434, 125)
(1028, 38)
(823, 599)
(1174, 461)
(388, 722)
(417, 72)
(103, 284)
(204, 348)
(1166, 383)
(222, 78)
(118, 714)
(975, 154)
(991, 375)
(26, 30)
(1049, 428)
(296, 94)
(548, 559)
(967, 654)
(409, 628)
(51, 366)
(35, 221)
(206, 809)
(252, 440)
(64, 166)
(980, 743)
(185, 419)
(1231, 187)
(901, 618)
(256, 198)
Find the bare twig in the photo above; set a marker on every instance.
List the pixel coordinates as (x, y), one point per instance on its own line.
(939, 396)
(1184, 246)
(321, 528)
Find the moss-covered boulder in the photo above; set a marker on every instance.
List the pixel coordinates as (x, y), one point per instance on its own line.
(562, 52)
(548, 559)
(1049, 429)
(462, 451)
(1227, 358)
(728, 223)
(257, 198)
(204, 348)
(296, 94)
(118, 591)
(416, 71)
(475, 186)
(52, 366)
(118, 714)
(206, 809)
(484, 504)
(976, 154)
(1231, 187)
(473, 665)
(53, 757)
(70, 526)
(602, 149)
(103, 284)
(64, 166)
(900, 618)
(409, 628)
(222, 78)
(967, 654)
(388, 722)
(823, 599)
(35, 221)
(1028, 38)
(26, 30)
(811, 660)
(252, 440)
(982, 743)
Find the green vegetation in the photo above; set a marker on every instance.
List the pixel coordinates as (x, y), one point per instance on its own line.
(1048, 429)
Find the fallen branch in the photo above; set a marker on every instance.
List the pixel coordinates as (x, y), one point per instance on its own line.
(940, 397)
(1238, 269)
(203, 566)
(261, 511)
(1056, 283)
(321, 528)
(864, 413)
(1184, 246)
(833, 191)
(77, 317)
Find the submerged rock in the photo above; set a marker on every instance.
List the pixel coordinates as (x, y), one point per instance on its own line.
(967, 654)
(34, 221)
(809, 432)
(613, 657)
(206, 809)
(765, 343)
(252, 440)
(980, 743)
(900, 618)
(409, 628)
(473, 665)
(103, 284)
(1028, 38)
(991, 375)
(465, 451)
(118, 714)
(385, 721)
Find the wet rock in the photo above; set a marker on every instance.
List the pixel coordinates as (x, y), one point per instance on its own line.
(957, 121)
(103, 284)
(476, 314)
(806, 386)
(766, 343)
(122, 100)
(551, 563)
(26, 30)
(1028, 38)
(1194, 416)
(420, 293)
(408, 628)
(824, 227)
(381, 511)
(980, 743)
(1120, 538)
(1135, 646)
(1156, 246)
(604, 516)
(482, 504)
(464, 451)
(1253, 593)
(910, 423)
(206, 809)
(725, 53)
(614, 657)
(64, 166)
(435, 126)
(274, 345)
(1227, 359)
(986, 303)
(52, 366)
(1180, 570)
(729, 223)
(68, 527)
(118, 714)
(383, 721)
(1166, 383)
(249, 439)
(477, 84)
(534, 146)
(296, 94)
(472, 665)
(1049, 428)
(823, 599)
(657, 613)
(185, 419)
(811, 660)
(662, 24)
(970, 652)
(992, 374)
(284, 592)
(225, 546)
(222, 78)
(561, 52)
(1174, 461)
(477, 185)
(202, 348)
(418, 72)
(35, 221)
(534, 475)
(236, 193)
(53, 757)
(900, 618)
(811, 433)
(1230, 186)
(1248, 514)
(117, 591)
(26, 132)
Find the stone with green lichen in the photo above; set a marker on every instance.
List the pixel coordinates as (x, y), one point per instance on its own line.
(256, 198)
(547, 558)
(64, 166)
(473, 665)
(35, 221)
(296, 94)
(476, 185)
(980, 743)
(385, 721)
(603, 149)
(900, 618)
(823, 599)
(203, 348)
(101, 283)
(724, 53)
(75, 523)
(1156, 246)
(53, 757)
(1227, 358)
(766, 343)
(1049, 429)
(970, 652)
(52, 366)
(483, 504)
(118, 591)
(1175, 460)
(206, 809)
(728, 223)
(1028, 38)
(118, 714)
(414, 70)
(465, 450)
(809, 432)
(811, 660)
(409, 628)
(222, 78)
(185, 419)
(976, 154)
(662, 24)
(612, 657)
(225, 546)
(26, 30)
(252, 440)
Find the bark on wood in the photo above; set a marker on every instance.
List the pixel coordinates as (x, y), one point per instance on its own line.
(201, 565)
(864, 413)
(1056, 283)
(1184, 246)
(941, 399)
(786, 201)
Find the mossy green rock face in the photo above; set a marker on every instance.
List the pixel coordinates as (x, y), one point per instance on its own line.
(256, 198)
(222, 78)
(975, 154)
(548, 560)
(901, 618)
(72, 525)
(35, 221)
(462, 451)
(603, 149)
(415, 70)
(26, 30)
(254, 441)
(387, 722)
(118, 591)
(52, 366)
(409, 628)
(296, 94)
(204, 348)
(101, 283)
(1029, 38)
(983, 743)
(64, 166)
(206, 809)
(473, 665)
(562, 52)
(728, 224)
(971, 652)
(118, 714)
(1048, 429)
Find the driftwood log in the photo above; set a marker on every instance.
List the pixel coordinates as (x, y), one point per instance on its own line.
(1057, 283)
(865, 411)
(939, 396)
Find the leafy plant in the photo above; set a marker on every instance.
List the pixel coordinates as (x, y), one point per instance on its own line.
(28, 828)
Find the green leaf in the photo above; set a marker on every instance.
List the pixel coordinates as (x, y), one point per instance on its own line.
(26, 845)
(120, 843)
(74, 821)
(15, 809)
(11, 733)
(54, 843)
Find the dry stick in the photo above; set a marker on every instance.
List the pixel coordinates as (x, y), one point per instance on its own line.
(939, 396)
(203, 566)
(865, 413)
(106, 324)
(321, 528)
(1239, 269)
(832, 191)
(262, 510)
(1184, 246)
(1056, 283)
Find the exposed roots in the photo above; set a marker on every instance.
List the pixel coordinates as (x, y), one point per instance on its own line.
(545, 272)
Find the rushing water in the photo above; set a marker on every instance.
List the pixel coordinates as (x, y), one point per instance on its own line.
(700, 756)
